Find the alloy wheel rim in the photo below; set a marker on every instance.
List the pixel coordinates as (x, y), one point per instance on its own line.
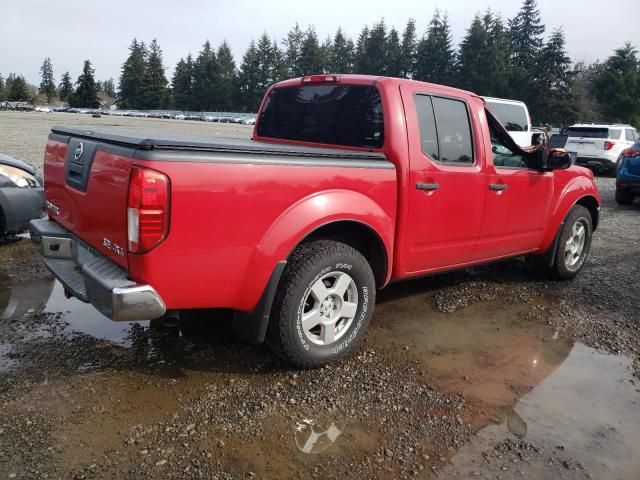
(330, 307)
(574, 246)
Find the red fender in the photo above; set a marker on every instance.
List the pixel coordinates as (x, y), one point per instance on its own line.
(301, 219)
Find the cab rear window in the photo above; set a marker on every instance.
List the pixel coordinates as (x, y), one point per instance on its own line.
(344, 115)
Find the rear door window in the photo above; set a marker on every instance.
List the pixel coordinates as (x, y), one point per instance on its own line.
(344, 115)
(427, 122)
(454, 131)
(445, 130)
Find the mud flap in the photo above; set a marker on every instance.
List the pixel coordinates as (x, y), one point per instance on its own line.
(252, 326)
(547, 258)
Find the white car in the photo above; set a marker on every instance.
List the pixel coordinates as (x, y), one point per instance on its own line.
(514, 115)
(599, 146)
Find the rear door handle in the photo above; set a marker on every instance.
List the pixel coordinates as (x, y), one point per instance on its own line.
(427, 186)
(497, 187)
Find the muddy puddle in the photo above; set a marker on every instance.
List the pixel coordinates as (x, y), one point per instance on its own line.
(521, 381)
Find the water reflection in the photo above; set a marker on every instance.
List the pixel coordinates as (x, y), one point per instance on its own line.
(588, 409)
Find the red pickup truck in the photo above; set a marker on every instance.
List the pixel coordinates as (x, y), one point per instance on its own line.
(349, 182)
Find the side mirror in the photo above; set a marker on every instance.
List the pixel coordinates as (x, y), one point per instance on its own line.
(558, 160)
(551, 159)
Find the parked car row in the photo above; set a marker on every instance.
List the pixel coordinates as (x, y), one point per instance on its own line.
(221, 117)
(17, 106)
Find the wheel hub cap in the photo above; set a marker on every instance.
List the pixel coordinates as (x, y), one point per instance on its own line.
(329, 308)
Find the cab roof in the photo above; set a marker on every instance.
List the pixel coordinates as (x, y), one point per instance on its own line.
(355, 79)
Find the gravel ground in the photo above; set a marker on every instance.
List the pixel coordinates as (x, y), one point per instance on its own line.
(444, 358)
(24, 134)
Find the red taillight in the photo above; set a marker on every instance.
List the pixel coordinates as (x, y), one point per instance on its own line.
(320, 79)
(147, 209)
(630, 152)
(608, 145)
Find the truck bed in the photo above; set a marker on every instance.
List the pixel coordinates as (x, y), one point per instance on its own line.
(146, 143)
(232, 202)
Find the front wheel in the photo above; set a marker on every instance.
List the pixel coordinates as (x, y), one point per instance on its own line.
(574, 244)
(323, 304)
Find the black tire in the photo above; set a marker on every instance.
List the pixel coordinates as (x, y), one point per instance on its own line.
(308, 264)
(623, 197)
(562, 267)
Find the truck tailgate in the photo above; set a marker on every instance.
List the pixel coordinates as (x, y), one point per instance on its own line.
(86, 188)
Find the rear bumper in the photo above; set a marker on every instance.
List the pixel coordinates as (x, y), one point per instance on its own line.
(91, 277)
(597, 163)
(19, 206)
(629, 184)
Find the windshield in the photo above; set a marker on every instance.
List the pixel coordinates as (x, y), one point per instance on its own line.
(512, 116)
(346, 115)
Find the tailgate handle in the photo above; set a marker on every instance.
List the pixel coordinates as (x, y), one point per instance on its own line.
(497, 187)
(427, 186)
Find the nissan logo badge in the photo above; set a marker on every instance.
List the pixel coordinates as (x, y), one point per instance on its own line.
(79, 150)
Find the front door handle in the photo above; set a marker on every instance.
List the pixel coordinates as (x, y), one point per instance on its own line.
(427, 186)
(497, 187)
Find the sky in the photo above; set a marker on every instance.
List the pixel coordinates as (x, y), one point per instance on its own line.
(70, 31)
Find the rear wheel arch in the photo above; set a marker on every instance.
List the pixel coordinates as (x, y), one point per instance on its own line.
(359, 236)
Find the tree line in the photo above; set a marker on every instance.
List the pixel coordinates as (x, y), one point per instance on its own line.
(503, 58)
(85, 92)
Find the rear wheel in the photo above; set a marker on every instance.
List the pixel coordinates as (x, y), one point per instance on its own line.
(574, 244)
(623, 197)
(324, 302)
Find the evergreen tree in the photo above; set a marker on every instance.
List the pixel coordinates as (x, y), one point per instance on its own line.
(293, 50)
(394, 54)
(341, 55)
(526, 38)
(526, 31)
(99, 86)
(131, 87)
(311, 56)
(472, 59)
(435, 57)
(86, 94)
(266, 61)
(617, 87)
(555, 102)
(66, 87)
(249, 91)
(154, 84)
(583, 86)
(182, 84)
(227, 78)
(376, 49)
(109, 88)
(16, 88)
(408, 48)
(326, 50)
(47, 84)
(205, 74)
(2, 88)
(361, 63)
(280, 68)
(498, 54)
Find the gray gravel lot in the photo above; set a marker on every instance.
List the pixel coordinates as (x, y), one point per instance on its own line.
(492, 372)
(24, 134)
